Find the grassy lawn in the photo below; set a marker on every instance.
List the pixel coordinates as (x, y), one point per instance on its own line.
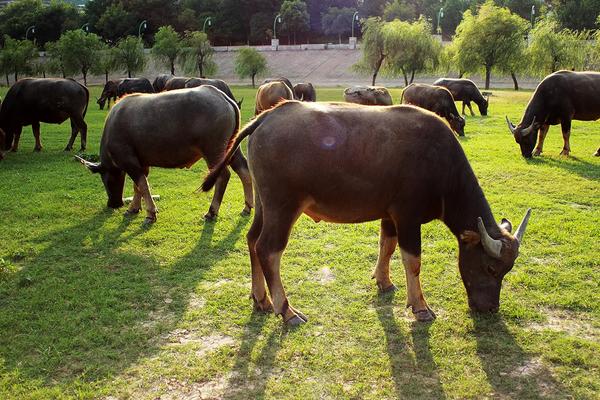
(93, 305)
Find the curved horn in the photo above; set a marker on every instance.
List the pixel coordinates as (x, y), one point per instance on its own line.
(94, 167)
(528, 130)
(521, 229)
(510, 125)
(491, 246)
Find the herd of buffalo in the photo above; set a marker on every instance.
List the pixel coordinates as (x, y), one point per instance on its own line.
(347, 162)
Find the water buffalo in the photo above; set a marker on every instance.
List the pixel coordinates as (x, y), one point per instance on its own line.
(169, 130)
(368, 95)
(466, 91)
(351, 164)
(269, 94)
(280, 79)
(160, 82)
(176, 82)
(109, 92)
(219, 84)
(559, 98)
(436, 99)
(305, 92)
(134, 85)
(51, 100)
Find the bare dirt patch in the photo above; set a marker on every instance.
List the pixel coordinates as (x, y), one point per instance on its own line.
(325, 276)
(569, 322)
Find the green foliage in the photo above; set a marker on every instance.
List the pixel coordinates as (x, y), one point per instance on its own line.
(129, 55)
(18, 56)
(338, 21)
(167, 46)
(115, 23)
(577, 15)
(295, 17)
(400, 9)
(77, 51)
(105, 62)
(197, 54)
(55, 19)
(373, 49)
(250, 63)
(17, 16)
(488, 39)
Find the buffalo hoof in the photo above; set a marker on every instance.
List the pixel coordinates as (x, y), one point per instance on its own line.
(210, 217)
(537, 152)
(388, 289)
(148, 221)
(245, 212)
(297, 319)
(37, 149)
(68, 148)
(131, 213)
(13, 150)
(263, 306)
(426, 315)
(565, 152)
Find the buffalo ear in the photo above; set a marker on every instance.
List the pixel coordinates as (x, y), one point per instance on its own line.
(506, 224)
(470, 238)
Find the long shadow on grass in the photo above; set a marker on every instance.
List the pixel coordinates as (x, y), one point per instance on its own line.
(84, 308)
(415, 375)
(570, 164)
(512, 372)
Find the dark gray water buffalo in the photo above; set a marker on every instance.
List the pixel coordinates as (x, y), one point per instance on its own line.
(305, 92)
(368, 95)
(218, 83)
(560, 98)
(109, 92)
(160, 82)
(168, 130)
(134, 85)
(31, 101)
(436, 99)
(466, 91)
(352, 164)
(176, 82)
(271, 93)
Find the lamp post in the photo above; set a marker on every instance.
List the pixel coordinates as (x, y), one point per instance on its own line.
(354, 18)
(86, 27)
(143, 25)
(208, 21)
(32, 29)
(440, 16)
(532, 15)
(275, 22)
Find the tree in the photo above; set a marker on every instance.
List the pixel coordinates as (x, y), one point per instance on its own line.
(116, 23)
(105, 62)
(373, 51)
(488, 39)
(18, 55)
(553, 48)
(577, 15)
(338, 21)
(295, 17)
(55, 19)
(79, 51)
(17, 16)
(399, 9)
(167, 46)
(197, 54)
(56, 60)
(250, 63)
(453, 14)
(129, 55)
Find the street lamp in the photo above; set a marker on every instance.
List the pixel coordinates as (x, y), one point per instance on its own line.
(208, 21)
(440, 16)
(354, 18)
(32, 29)
(86, 27)
(532, 14)
(275, 22)
(143, 25)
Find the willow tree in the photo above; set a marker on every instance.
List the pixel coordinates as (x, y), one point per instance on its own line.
(129, 55)
(167, 46)
(197, 54)
(373, 51)
(250, 63)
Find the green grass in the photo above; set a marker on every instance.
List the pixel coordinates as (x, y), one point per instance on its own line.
(92, 305)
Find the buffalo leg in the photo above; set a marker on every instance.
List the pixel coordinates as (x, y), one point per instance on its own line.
(277, 225)
(387, 245)
(220, 187)
(463, 108)
(240, 166)
(470, 108)
(140, 179)
(136, 203)
(541, 137)
(262, 301)
(15, 144)
(565, 125)
(35, 127)
(82, 126)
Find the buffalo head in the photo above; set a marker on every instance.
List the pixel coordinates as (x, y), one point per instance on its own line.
(524, 136)
(484, 260)
(457, 123)
(483, 107)
(101, 101)
(239, 103)
(113, 180)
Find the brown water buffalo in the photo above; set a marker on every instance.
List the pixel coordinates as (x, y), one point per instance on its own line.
(160, 82)
(351, 164)
(466, 91)
(51, 100)
(170, 130)
(134, 85)
(280, 79)
(109, 92)
(305, 92)
(218, 83)
(436, 99)
(559, 98)
(176, 82)
(269, 94)
(368, 95)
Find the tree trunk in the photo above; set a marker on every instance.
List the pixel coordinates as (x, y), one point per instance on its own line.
(514, 78)
(7, 80)
(16, 76)
(488, 72)
(405, 78)
(294, 38)
(44, 74)
(172, 67)
(340, 37)
(128, 73)
(461, 73)
(253, 75)
(412, 76)
(84, 77)
(105, 77)
(377, 67)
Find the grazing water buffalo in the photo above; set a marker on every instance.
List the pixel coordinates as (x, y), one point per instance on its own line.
(560, 98)
(31, 101)
(352, 164)
(436, 99)
(280, 79)
(160, 82)
(176, 82)
(134, 85)
(466, 91)
(219, 84)
(168, 130)
(109, 92)
(271, 93)
(368, 95)
(305, 92)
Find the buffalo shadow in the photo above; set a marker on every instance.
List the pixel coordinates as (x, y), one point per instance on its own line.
(571, 164)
